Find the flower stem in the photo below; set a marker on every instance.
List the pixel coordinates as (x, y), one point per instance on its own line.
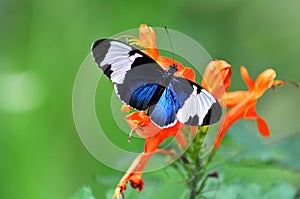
(199, 168)
(192, 165)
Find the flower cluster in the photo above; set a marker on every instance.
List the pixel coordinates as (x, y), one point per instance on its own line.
(216, 79)
(240, 104)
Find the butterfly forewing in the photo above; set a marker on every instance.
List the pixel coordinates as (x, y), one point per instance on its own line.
(130, 70)
(116, 58)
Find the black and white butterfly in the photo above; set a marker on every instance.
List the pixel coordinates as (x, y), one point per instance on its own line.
(143, 84)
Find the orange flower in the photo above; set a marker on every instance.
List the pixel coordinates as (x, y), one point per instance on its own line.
(242, 103)
(216, 79)
(140, 122)
(133, 175)
(147, 41)
(154, 136)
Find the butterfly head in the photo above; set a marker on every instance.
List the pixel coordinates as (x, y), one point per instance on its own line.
(172, 69)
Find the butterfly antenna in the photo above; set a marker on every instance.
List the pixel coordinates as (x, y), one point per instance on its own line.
(170, 43)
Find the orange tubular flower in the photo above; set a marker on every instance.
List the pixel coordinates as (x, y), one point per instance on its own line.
(147, 41)
(242, 103)
(140, 122)
(216, 80)
(134, 175)
(154, 136)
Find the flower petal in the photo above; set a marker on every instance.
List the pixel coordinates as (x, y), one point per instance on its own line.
(251, 114)
(216, 78)
(133, 175)
(264, 81)
(166, 62)
(225, 71)
(141, 124)
(235, 113)
(138, 118)
(235, 97)
(118, 194)
(147, 35)
(189, 74)
(181, 140)
(148, 38)
(246, 77)
(263, 126)
(154, 141)
(261, 123)
(281, 82)
(125, 108)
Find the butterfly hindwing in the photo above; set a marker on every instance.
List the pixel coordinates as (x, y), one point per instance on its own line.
(163, 113)
(197, 106)
(142, 97)
(140, 82)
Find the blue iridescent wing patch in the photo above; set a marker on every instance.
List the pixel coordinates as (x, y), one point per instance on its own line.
(145, 96)
(141, 87)
(140, 82)
(163, 113)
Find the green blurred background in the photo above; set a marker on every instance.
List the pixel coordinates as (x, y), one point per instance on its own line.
(43, 43)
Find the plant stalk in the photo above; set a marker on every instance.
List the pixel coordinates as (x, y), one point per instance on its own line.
(200, 164)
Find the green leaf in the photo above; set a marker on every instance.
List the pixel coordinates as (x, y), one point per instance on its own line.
(84, 193)
(281, 190)
(251, 145)
(239, 189)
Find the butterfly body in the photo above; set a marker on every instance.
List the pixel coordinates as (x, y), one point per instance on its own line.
(140, 82)
(168, 76)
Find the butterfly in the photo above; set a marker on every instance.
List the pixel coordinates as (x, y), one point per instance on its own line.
(141, 83)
